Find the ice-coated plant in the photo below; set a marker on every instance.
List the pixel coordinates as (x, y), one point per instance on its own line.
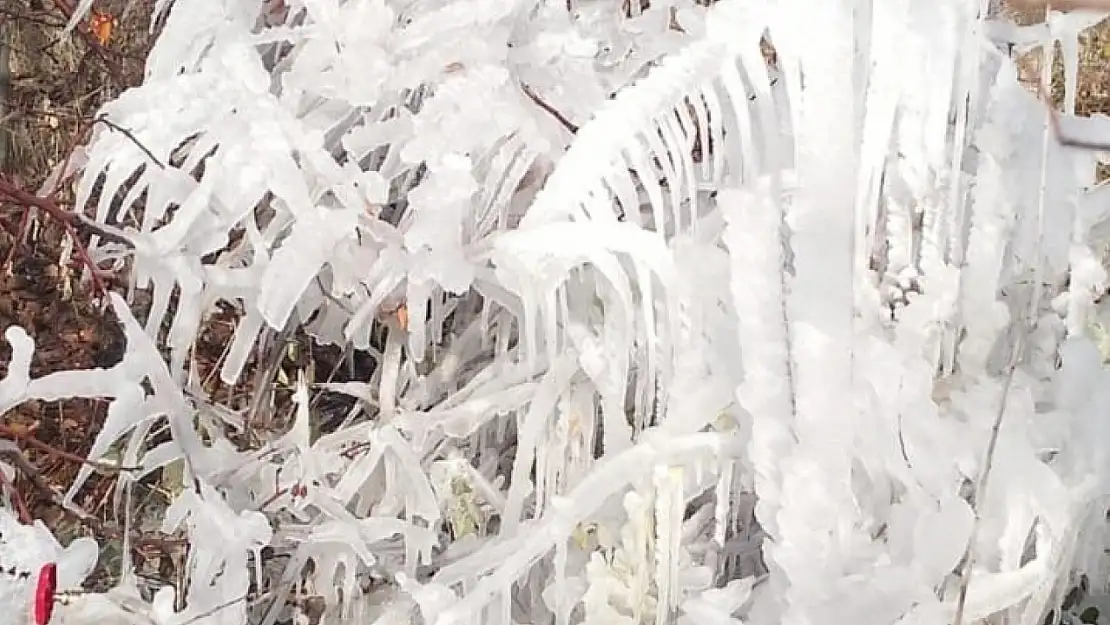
(741, 312)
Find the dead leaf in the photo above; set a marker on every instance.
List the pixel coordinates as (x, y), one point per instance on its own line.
(101, 25)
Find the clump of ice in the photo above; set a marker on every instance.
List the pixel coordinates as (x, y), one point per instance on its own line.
(24, 549)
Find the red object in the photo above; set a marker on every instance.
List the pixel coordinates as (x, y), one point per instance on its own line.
(44, 593)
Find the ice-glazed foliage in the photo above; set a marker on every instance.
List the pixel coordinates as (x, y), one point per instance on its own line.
(748, 312)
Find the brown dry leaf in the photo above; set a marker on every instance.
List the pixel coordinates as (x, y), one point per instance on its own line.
(21, 429)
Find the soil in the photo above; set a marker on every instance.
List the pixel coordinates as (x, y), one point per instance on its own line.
(70, 331)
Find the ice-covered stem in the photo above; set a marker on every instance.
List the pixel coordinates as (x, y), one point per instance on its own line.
(754, 236)
(820, 306)
(500, 567)
(122, 382)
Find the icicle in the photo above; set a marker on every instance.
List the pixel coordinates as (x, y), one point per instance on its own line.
(755, 243)
(669, 508)
(991, 223)
(391, 367)
(562, 606)
(416, 301)
(722, 504)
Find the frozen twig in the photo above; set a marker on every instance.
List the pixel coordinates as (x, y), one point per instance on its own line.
(46, 448)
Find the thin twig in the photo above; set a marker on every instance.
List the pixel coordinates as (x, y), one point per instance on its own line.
(86, 518)
(59, 184)
(17, 499)
(978, 495)
(551, 110)
(69, 221)
(101, 467)
(127, 133)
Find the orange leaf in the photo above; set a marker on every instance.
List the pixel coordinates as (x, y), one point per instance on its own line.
(101, 24)
(403, 317)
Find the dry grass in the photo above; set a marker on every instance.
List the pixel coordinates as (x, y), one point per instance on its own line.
(57, 83)
(59, 80)
(41, 115)
(1094, 72)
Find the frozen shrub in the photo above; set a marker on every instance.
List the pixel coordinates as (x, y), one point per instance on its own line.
(753, 312)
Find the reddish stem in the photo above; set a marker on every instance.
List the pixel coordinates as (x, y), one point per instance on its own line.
(64, 217)
(47, 448)
(17, 499)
